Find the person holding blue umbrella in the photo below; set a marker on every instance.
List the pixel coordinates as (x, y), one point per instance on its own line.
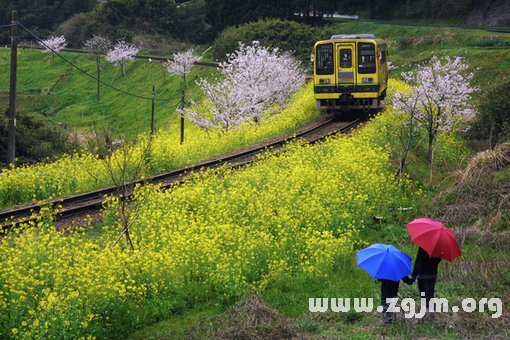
(387, 265)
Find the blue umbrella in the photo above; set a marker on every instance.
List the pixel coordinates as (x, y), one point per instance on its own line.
(384, 261)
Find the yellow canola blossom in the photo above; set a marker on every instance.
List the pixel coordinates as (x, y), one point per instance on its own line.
(212, 238)
(85, 172)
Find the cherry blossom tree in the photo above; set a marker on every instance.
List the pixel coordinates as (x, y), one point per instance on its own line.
(181, 66)
(54, 45)
(181, 63)
(266, 77)
(98, 45)
(121, 53)
(229, 107)
(257, 82)
(441, 91)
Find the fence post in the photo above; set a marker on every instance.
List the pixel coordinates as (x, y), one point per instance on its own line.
(11, 134)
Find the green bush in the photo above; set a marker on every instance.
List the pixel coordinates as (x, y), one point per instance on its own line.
(37, 139)
(493, 120)
(286, 35)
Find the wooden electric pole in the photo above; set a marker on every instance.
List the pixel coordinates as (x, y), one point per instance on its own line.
(182, 117)
(11, 134)
(183, 104)
(153, 123)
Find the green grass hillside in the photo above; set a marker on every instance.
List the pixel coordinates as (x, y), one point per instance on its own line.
(57, 90)
(69, 97)
(409, 45)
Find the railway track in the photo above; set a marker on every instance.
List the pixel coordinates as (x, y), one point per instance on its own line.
(90, 202)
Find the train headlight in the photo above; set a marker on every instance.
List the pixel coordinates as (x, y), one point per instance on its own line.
(368, 80)
(324, 81)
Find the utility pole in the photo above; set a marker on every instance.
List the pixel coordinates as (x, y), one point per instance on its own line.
(11, 134)
(98, 64)
(182, 117)
(153, 127)
(183, 104)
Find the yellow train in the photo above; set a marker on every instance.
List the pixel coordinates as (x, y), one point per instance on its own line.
(350, 72)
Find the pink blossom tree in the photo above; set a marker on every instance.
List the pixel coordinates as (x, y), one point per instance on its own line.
(98, 45)
(54, 45)
(181, 66)
(266, 77)
(121, 53)
(257, 82)
(441, 91)
(229, 108)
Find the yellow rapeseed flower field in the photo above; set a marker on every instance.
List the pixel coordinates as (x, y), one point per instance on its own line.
(213, 238)
(84, 172)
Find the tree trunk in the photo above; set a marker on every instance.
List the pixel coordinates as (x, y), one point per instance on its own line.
(431, 155)
(403, 159)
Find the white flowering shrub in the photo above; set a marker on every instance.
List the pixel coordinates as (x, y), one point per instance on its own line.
(98, 45)
(54, 44)
(121, 53)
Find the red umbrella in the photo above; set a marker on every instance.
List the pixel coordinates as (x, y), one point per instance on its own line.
(436, 239)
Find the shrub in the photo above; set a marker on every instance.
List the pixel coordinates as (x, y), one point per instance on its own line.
(76, 28)
(37, 139)
(286, 35)
(493, 120)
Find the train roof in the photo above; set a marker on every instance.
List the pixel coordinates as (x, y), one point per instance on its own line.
(352, 36)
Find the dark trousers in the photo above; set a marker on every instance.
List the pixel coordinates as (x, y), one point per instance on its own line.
(427, 287)
(389, 289)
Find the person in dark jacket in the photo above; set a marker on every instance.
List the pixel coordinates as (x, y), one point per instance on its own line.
(389, 289)
(425, 271)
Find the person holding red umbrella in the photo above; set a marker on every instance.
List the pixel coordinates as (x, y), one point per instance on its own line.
(425, 271)
(436, 242)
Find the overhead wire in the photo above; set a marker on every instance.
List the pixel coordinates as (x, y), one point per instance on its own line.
(40, 41)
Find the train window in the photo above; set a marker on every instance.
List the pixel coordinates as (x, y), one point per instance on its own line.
(366, 58)
(345, 58)
(324, 62)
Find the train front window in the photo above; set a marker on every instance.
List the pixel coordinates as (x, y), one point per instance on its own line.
(324, 59)
(345, 58)
(366, 58)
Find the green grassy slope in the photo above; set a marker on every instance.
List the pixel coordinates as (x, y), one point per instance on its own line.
(69, 97)
(409, 45)
(477, 274)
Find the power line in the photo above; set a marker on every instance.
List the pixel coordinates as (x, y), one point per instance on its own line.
(40, 41)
